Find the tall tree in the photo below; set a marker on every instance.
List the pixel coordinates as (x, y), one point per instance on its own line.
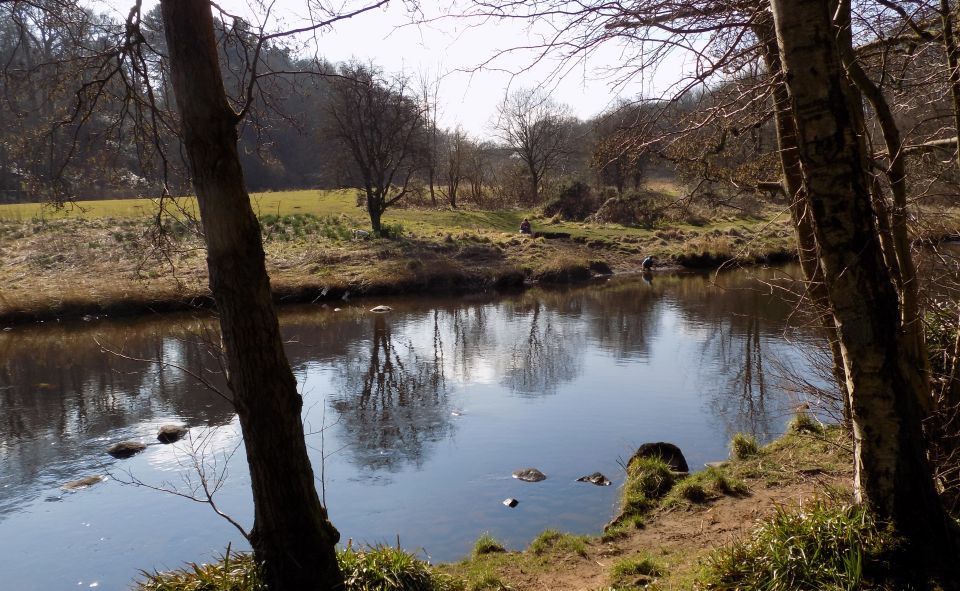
(292, 537)
(381, 126)
(893, 475)
(537, 129)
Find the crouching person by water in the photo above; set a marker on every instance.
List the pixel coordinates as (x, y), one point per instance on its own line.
(525, 227)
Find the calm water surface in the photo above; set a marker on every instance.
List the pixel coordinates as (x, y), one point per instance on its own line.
(421, 415)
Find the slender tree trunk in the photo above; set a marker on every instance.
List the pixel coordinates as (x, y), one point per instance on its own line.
(953, 63)
(802, 221)
(901, 261)
(893, 475)
(375, 211)
(291, 535)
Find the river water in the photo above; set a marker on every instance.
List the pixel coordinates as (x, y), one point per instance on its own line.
(416, 418)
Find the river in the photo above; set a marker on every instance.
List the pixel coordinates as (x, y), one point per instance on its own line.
(416, 418)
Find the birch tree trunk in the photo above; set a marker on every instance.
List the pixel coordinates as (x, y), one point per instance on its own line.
(893, 475)
(291, 537)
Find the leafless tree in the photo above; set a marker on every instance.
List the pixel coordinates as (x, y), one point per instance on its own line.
(537, 130)
(381, 125)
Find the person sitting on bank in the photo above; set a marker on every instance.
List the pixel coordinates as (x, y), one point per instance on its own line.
(525, 227)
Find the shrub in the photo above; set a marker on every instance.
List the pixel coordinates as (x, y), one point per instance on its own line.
(574, 202)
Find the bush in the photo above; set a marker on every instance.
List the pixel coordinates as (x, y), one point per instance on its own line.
(641, 208)
(574, 202)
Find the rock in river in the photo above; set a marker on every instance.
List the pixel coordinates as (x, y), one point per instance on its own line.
(125, 449)
(83, 482)
(529, 475)
(511, 502)
(667, 452)
(381, 309)
(595, 478)
(171, 433)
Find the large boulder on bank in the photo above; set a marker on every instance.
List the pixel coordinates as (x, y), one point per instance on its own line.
(668, 452)
(529, 475)
(125, 449)
(171, 433)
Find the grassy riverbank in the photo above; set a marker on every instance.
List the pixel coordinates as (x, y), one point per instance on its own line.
(111, 257)
(777, 517)
(114, 258)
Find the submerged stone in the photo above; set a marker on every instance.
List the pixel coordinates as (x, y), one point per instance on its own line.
(595, 478)
(529, 475)
(668, 452)
(381, 309)
(125, 449)
(171, 433)
(83, 482)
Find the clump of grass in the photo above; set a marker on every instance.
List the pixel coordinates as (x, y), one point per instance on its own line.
(391, 230)
(552, 539)
(562, 269)
(631, 571)
(704, 486)
(487, 581)
(819, 547)
(233, 572)
(383, 568)
(744, 446)
(379, 568)
(622, 528)
(487, 544)
(648, 479)
(804, 423)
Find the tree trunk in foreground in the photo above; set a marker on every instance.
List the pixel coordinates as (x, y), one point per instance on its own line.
(291, 535)
(893, 475)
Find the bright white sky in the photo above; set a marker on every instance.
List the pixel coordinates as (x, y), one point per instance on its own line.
(456, 48)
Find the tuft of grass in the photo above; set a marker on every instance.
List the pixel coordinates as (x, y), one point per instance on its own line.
(701, 487)
(804, 423)
(818, 547)
(623, 528)
(487, 581)
(631, 571)
(233, 572)
(744, 446)
(648, 479)
(487, 544)
(552, 539)
(378, 568)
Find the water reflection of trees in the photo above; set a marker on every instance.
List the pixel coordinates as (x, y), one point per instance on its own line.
(62, 398)
(392, 399)
(548, 354)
